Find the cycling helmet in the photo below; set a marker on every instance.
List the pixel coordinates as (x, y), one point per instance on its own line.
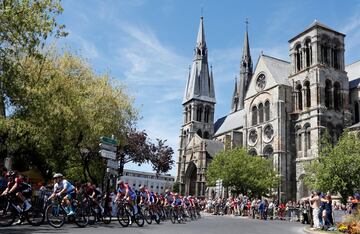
(57, 175)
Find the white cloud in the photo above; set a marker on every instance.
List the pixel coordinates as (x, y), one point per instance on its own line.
(87, 48)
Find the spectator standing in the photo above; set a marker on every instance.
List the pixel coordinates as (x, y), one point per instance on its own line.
(315, 204)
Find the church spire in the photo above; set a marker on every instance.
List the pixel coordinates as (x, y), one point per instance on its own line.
(200, 85)
(246, 69)
(200, 42)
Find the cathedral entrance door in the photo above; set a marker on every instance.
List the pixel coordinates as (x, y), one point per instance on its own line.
(191, 178)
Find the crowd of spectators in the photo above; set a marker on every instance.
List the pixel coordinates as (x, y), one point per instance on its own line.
(318, 210)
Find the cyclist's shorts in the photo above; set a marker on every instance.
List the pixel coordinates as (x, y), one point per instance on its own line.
(70, 195)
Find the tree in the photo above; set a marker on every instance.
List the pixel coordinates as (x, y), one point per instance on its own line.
(337, 169)
(139, 149)
(61, 111)
(243, 172)
(25, 26)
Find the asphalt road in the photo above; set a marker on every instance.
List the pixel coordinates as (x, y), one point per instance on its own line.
(206, 225)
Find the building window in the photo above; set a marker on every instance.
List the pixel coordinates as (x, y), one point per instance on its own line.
(261, 113)
(134, 185)
(337, 96)
(298, 57)
(299, 95)
(199, 133)
(308, 53)
(161, 187)
(267, 111)
(254, 115)
(308, 94)
(252, 152)
(268, 151)
(328, 93)
(206, 135)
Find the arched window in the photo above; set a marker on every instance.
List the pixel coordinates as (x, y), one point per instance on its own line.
(199, 113)
(337, 96)
(267, 111)
(254, 115)
(186, 114)
(199, 133)
(261, 113)
(307, 136)
(308, 53)
(299, 95)
(328, 93)
(336, 57)
(308, 94)
(252, 152)
(298, 139)
(206, 114)
(298, 57)
(189, 119)
(206, 135)
(356, 110)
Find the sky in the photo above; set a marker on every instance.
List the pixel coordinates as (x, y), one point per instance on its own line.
(148, 45)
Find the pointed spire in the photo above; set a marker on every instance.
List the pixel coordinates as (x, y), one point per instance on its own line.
(200, 85)
(246, 50)
(245, 69)
(200, 42)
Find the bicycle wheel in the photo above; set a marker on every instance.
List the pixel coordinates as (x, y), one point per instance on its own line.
(80, 217)
(7, 214)
(123, 216)
(173, 216)
(147, 215)
(156, 217)
(139, 219)
(55, 215)
(106, 216)
(35, 216)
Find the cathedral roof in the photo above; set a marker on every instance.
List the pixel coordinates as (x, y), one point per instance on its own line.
(279, 69)
(213, 146)
(230, 122)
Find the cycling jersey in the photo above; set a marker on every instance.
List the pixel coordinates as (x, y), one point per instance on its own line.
(64, 184)
(22, 187)
(177, 202)
(169, 198)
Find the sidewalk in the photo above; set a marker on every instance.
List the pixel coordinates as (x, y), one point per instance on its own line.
(308, 230)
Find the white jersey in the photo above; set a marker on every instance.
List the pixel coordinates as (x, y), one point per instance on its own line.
(64, 184)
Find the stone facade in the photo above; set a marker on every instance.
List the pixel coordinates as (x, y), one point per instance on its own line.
(286, 108)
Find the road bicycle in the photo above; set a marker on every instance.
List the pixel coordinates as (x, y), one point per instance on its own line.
(126, 214)
(56, 213)
(10, 210)
(95, 213)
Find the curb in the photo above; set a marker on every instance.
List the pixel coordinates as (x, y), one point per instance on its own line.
(307, 230)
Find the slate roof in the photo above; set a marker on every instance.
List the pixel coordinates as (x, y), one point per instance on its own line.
(279, 69)
(213, 147)
(227, 123)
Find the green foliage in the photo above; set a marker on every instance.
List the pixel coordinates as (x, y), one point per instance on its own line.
(244, 173)
(62, 108)
(25, 25)
(337, 170)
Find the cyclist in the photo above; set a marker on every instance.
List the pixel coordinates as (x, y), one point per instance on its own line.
(124, 190)
(94, 194)
(16, 186)
(169, 197)
(63, 187)
(144, 195)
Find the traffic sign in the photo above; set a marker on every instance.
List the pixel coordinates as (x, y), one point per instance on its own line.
(108, 140)
(108, 147)
(112, 164)
(107, 154)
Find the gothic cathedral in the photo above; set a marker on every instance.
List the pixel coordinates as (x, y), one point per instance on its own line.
(279, 109)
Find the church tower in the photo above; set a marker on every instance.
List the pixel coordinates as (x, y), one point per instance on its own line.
(199, 97)
(198, 114)
(246, 72)
(320, 93)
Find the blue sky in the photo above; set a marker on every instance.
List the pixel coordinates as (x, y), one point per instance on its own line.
(148, 44)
